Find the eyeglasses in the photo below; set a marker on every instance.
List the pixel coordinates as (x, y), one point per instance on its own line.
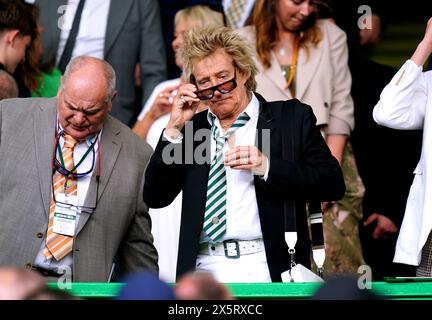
(224, 87)
(78, 208)
(62, 170)
(75, 175)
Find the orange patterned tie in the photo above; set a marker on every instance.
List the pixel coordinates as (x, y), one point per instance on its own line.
(58, 245)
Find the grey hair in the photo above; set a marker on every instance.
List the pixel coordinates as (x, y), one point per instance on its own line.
(8, 86)
(108, 71)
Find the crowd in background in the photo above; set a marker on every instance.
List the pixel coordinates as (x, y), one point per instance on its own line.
(327, 67)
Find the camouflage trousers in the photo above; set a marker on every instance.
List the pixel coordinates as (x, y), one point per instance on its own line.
(341, 232)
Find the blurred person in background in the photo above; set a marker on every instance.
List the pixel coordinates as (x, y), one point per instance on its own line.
(8, 86)
(201, 286)
(385, 171)
(17, 30)
(123, 33)
(404, 104)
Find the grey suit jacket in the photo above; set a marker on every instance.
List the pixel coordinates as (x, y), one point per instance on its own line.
(120, 226)
(133, 35)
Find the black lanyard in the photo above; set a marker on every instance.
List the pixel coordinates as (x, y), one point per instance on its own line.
(83, 157)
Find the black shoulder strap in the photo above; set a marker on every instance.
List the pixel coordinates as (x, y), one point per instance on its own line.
(290, 153)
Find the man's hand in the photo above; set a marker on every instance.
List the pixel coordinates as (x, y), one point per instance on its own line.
(384, 225)
(185, 104)
(246, 158)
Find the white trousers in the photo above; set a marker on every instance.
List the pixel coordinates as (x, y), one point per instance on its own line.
(247, 268)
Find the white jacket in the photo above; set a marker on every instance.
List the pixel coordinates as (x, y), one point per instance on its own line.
(406, 103)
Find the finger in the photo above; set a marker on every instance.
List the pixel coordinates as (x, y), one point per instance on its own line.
(243, 167)
(163, 101)
(190, 99)
(255, 163)
(238, 149)
(377, 232)
(370, 219)
(170, 89)
(237, 155)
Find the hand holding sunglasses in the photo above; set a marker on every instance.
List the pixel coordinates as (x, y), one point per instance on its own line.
(184, 106)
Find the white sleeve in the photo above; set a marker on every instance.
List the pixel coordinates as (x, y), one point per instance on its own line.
(402, 103)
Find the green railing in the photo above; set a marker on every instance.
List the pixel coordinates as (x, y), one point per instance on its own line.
(397, 290)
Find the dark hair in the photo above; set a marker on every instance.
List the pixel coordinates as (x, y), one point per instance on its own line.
(16, 14)
(28, 70)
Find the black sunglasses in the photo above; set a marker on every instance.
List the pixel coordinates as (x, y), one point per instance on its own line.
(224, 87)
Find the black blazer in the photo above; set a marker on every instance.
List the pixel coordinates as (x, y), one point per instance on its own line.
(316, 175)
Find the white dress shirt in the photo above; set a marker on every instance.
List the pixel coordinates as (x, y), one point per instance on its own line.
(90, 40)
(82, 188)
(242, 216)
(242, 219)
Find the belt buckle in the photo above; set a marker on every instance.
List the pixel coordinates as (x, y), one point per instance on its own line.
(237, 248)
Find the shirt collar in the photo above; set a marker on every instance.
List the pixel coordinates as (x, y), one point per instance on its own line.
(252, 110)
(89, 140)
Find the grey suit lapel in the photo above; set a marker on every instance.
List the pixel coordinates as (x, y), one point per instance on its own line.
(110, 147)
(44, 133)
(306, 66)
(118, 12)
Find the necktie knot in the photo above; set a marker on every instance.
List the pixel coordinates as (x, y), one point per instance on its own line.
(69, 141)
(240, 122)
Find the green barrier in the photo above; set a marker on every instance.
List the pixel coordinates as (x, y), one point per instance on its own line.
(392, 290)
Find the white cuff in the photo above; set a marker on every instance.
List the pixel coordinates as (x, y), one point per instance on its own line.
(177, 139)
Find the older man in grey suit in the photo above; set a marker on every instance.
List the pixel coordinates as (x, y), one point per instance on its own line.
(123, 33)
(71, 180)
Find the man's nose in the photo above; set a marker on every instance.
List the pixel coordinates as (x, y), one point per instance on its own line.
(217, 94)
(79, 118)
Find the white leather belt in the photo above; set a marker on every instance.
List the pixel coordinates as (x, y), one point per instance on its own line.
(232, 249)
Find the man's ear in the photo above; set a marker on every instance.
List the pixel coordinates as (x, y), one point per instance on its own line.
(114, 95)
(60, 86)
